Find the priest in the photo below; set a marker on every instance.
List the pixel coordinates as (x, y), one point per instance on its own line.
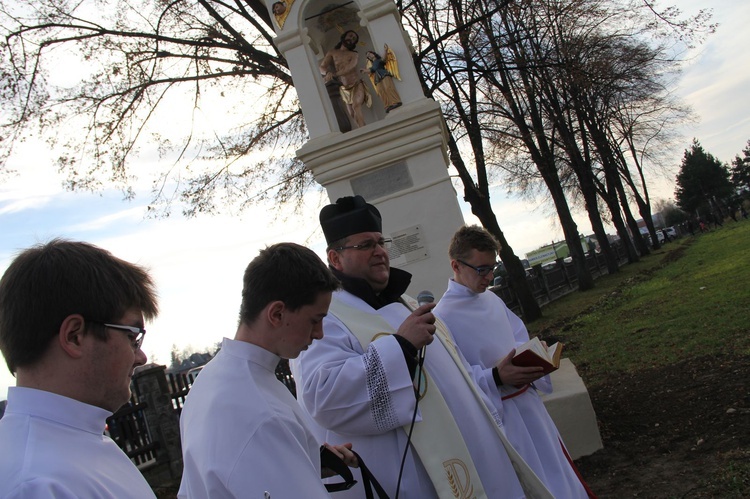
(386, 377)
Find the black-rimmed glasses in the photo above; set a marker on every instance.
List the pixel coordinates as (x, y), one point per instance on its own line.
(367, 245)
(482, 270)
(135, 333)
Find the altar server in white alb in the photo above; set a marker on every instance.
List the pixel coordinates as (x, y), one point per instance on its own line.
(359, 384)
(71, 328)
(243, 433)
(487, 333)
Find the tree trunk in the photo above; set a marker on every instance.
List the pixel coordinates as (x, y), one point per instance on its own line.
(611, 197)
(635, 233)
(481, 208)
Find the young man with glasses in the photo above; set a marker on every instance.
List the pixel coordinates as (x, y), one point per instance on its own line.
(71, 328)
(364, 382)
(243, 434)
(487, 333)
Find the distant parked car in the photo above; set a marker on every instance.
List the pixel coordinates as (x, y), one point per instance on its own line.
(671, 232)
(659, 235)
(549, 265)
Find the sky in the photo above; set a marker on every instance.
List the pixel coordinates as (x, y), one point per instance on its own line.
(198, 263)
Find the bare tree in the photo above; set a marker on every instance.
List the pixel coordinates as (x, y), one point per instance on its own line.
(546, 77)
(130, 58)
(504, 88)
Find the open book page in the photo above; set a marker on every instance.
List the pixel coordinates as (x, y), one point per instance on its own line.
(554, 352)
(533, 353)
(535, 346)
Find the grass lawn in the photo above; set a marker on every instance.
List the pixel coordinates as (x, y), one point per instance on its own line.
(689, 298)
(662, 346)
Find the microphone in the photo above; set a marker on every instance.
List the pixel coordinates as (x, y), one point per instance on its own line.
(425, 297)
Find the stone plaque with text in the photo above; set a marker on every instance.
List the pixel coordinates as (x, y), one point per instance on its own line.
(408, 246)
(383, 182)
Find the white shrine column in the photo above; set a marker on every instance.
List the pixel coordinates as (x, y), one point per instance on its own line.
(398, 161)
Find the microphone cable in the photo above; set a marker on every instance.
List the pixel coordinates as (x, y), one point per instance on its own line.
(420, 362)
(424, 297)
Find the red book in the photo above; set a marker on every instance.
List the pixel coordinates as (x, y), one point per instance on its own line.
(533, 354)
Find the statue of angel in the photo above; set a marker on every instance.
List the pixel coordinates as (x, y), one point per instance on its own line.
(382, 70)
(281, 10)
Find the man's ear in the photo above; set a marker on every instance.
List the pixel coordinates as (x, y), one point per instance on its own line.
(71, 335)
(454, 266)
(334, 258)
(275, 313)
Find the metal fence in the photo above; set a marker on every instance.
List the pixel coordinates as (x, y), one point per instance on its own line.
(179, 386)
(129, 430)
(550, 282)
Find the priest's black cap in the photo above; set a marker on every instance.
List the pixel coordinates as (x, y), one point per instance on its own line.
(349, 215)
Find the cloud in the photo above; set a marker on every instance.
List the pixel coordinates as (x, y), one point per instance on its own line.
(716, 80)
(12, 203)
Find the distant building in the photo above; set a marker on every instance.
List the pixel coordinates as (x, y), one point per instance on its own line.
(551, 252)
(656, 218)
(546, 253)
(195, 360)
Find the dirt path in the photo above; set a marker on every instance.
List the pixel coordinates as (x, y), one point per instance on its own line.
(674, 432)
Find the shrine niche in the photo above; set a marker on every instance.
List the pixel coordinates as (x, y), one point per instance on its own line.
(340, 42)
(354, 49)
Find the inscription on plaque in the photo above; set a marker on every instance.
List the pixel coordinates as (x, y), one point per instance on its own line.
(408, 246)
(383, 182)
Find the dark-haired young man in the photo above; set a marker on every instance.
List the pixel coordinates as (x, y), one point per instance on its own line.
(487, 333)
(243, 433)
(71, 327)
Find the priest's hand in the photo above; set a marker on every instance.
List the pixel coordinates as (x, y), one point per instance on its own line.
(515, 375)
(419, 327)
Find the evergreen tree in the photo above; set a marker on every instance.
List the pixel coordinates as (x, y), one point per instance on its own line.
(703, 181)
(741, 170)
